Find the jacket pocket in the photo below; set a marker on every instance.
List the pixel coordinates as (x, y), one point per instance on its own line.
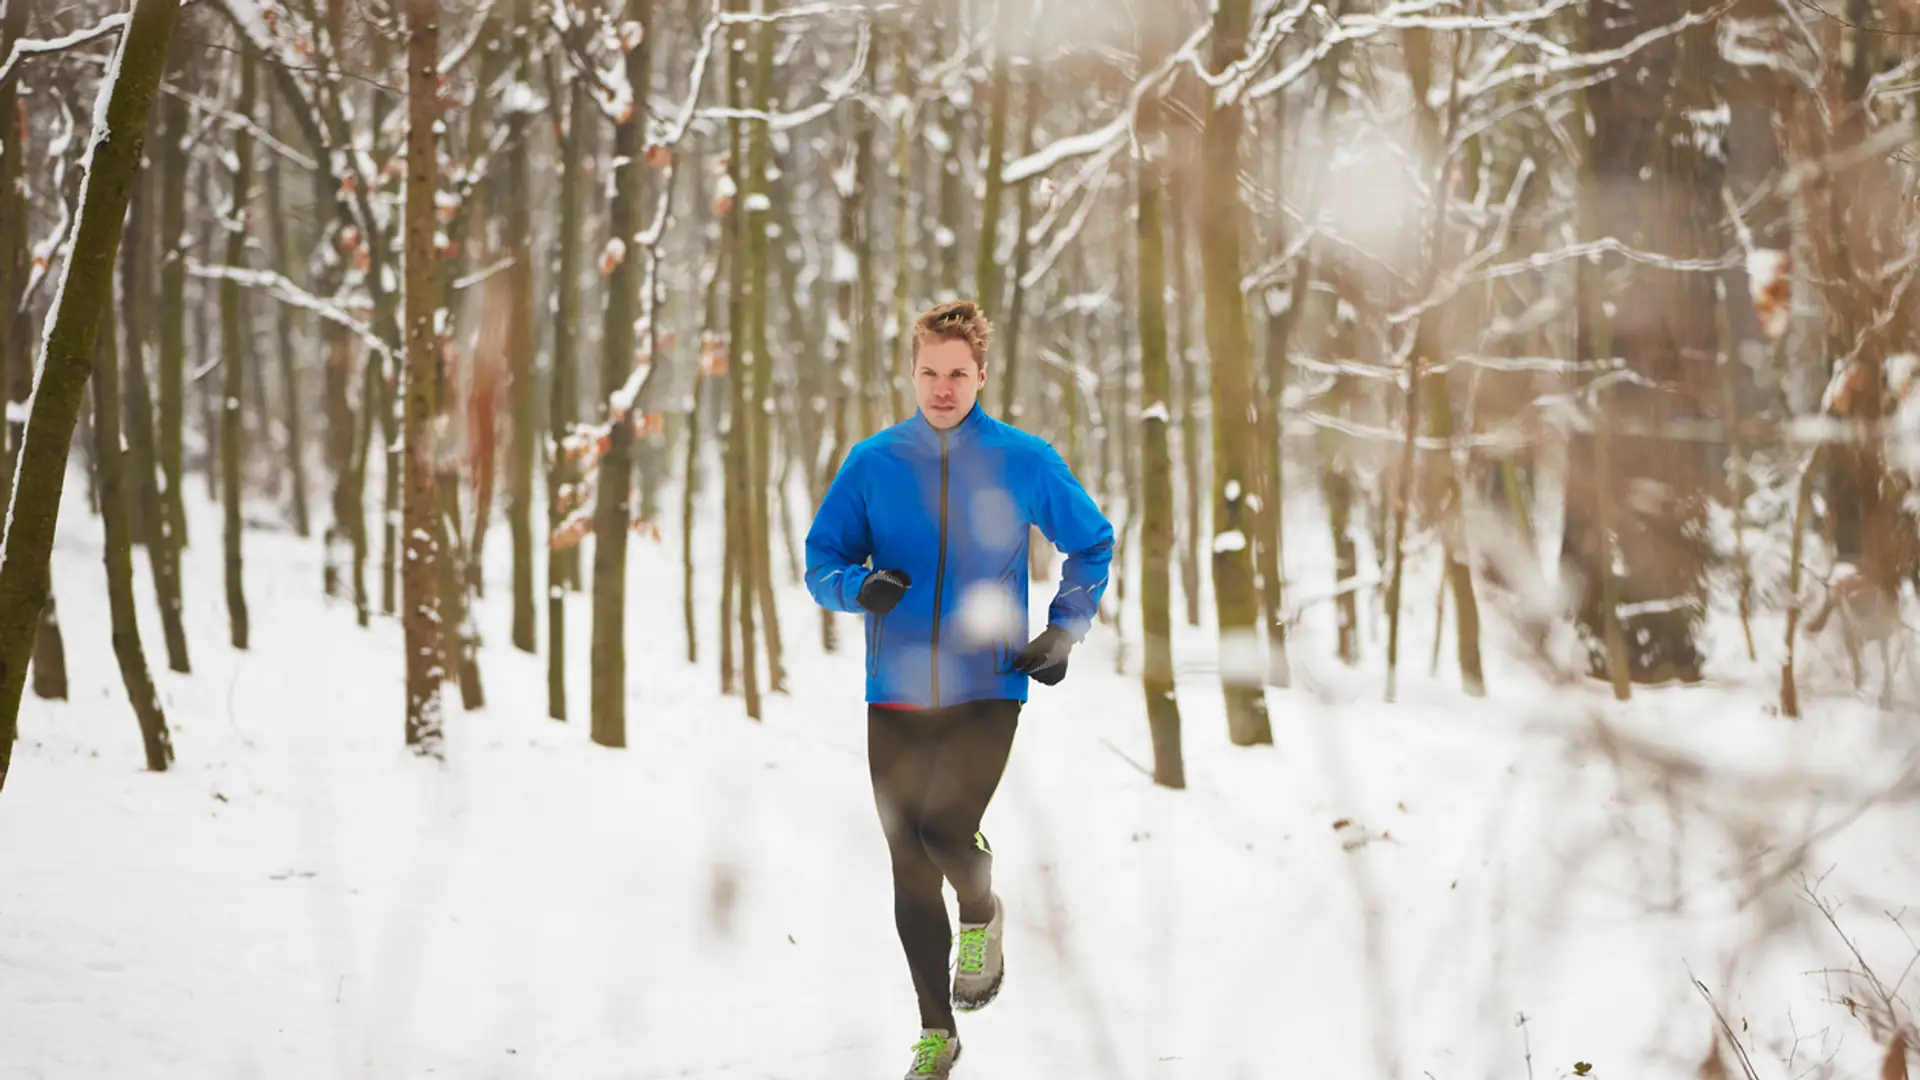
(876, 637)
(1006, 646)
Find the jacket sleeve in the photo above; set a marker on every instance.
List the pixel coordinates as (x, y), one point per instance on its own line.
(839, 542)
(1068, 518)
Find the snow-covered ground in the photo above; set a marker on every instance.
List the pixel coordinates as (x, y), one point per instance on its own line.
(1385, 893)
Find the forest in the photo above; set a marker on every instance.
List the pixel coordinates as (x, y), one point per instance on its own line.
(1427, 356)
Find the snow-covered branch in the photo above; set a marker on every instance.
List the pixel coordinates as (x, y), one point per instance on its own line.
(837, 90)
(29, 47)
(284, 290)
(54, 247)
(1093, 142)
(453, 59)
(867, 12)
(1492, 80)
(232, 119)
(1066, 236)
(470, 280)
(1094, 172)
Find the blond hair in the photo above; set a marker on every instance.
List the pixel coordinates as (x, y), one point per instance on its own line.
(955, 320)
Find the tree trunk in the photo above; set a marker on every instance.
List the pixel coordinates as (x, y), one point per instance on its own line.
(1236, 600)
(758, 210)
(1663, 328)
(563, 390)
(149, 521)
(80, 307)
(234, 343)
(986, 273)
(177, 128)
(116, 513)
(291, 401)
(520, 346)
(420, 619)
(739, 453)
(1192, 400)
(1156, 520)
(1010, 365)
(16, 364)
(1271, 543)
(613, 511)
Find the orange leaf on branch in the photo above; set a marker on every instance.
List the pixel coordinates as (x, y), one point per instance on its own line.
(570, 532)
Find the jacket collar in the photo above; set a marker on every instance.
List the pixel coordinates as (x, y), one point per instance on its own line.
(960, 434)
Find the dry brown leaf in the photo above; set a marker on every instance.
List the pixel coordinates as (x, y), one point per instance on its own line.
(1895, 1065)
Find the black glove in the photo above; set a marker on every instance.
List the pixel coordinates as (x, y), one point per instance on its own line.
(1045, 657)
(882, 590)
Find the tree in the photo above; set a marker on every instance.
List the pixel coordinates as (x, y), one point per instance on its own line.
(520, 341)
(1236, 599)
(419, 586)
(1661, 324)
(613, 509)
(86, 293)
(116, 514)
(1156, 467)
(235, 345)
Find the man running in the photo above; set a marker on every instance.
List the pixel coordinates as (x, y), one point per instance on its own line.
(941, 504)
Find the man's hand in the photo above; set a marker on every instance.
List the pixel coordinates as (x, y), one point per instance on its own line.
(1045, 657)
(882, 590)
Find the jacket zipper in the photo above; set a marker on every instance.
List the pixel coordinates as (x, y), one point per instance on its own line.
(940, 575)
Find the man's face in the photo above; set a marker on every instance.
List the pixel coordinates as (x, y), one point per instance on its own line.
(946, 381)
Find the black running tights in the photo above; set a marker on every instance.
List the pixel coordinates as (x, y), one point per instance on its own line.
(934, 771)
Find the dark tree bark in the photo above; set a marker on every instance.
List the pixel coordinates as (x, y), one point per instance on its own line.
(116, 514)
(520, 344)
(563, 386)
(235, 343)
(613, 510)
(84, 298)
(419, 582)
(149, 522)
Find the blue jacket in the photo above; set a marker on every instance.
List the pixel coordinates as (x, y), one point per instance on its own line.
(952, 510)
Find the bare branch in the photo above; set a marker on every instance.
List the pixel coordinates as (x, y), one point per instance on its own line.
(1093, 142)
(25, 48)
(277, 286)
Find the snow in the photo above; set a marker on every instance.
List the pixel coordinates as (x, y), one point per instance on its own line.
(1448, 886)
(846, 265)
(1231, 540)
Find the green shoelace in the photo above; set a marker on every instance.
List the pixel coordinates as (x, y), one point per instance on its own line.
(973, 950)
(927, 1052)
